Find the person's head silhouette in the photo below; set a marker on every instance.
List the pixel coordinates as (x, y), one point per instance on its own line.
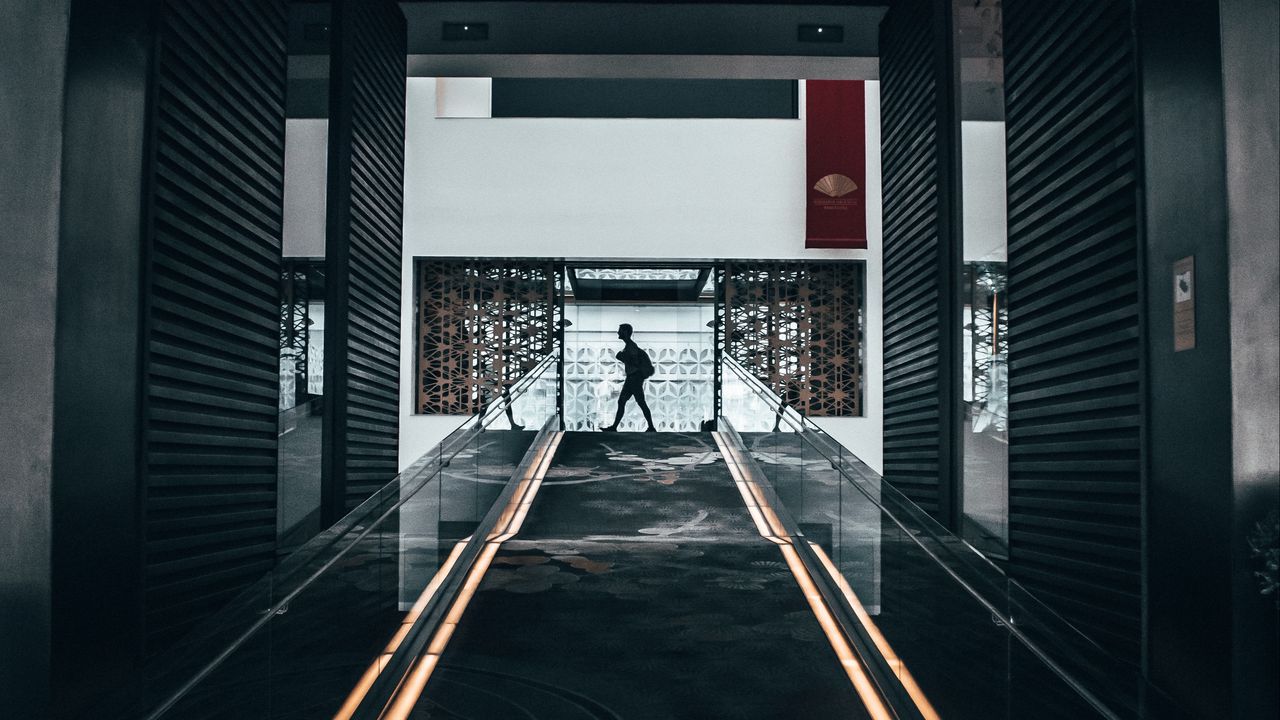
(624, 331)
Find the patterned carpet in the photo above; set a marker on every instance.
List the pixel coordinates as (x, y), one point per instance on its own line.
(638, 589)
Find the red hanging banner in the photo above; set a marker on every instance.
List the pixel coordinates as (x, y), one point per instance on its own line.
(836, 153)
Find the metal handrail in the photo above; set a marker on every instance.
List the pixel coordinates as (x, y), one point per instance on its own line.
(836, 459)
(419, 634)
(420, 474)
(837, 462)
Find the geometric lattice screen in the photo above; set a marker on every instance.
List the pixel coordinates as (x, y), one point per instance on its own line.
(798, 328)
(481, 326)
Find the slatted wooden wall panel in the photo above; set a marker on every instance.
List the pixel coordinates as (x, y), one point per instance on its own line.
(1074, 320)
(211, 274)
(366, 160)
(917, 289)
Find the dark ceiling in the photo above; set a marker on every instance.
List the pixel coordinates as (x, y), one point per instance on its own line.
(612, 39)
(619, 27)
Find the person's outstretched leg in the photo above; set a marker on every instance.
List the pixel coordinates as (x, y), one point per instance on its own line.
(622, 407)
(644, 406)
(511, 418)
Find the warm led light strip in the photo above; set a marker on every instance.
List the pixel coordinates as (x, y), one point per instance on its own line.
(770, 527)
(509, 523)
(366, 681)
(522, 501)
(882, 644)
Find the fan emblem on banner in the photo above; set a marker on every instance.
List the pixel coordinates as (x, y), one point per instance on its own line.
(835, 185)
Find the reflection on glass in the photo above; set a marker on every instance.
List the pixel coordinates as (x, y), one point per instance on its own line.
(338, 601)
(315, 348)
(301, 409)
(986, 399)
(984, 434)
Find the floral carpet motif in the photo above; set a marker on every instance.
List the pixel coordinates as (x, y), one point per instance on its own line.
(637, 589)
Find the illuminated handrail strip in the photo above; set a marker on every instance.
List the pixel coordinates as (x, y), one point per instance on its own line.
(371, 674)
(770, 526)
(849, 466)
(877, 638)
(757, 495)
(849, 660)
(409, 693)
(748, 498)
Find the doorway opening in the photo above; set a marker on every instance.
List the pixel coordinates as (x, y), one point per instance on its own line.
(672, 309)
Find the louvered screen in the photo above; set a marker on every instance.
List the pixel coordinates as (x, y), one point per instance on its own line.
(915, 250)
(211, 273)
(366, 155)
(1074, 380)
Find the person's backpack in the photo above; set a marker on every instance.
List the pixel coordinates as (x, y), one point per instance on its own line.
(646, 365)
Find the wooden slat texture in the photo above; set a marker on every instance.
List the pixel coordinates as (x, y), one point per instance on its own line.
(915, 251)
(363, 248)
(1076, 408)
(211, 274)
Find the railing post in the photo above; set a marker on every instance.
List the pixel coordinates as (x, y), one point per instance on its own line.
(560, 325)
(717, 382)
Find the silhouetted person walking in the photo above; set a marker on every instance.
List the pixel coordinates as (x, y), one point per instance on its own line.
(638, 368)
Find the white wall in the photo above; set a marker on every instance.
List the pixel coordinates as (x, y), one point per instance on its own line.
(306, 163)
(982, 159)
(611, 188)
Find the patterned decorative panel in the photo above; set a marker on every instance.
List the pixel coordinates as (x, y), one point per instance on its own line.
(636, 273)
(1075, 378)
(798, 327)
(481, 326)
(679, 393)
(365, 209)
(211, 284)
(917, 289)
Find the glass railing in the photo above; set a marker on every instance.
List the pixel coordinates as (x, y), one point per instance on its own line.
(298, 461)
(297, 643)
(972, 640)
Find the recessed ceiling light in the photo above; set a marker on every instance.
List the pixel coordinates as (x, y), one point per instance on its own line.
(455, 31)
(821, 33)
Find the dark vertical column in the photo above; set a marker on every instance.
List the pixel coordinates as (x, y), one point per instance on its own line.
(96, 427)
(33, 47)
(1189, 489)
(1251, 86)
(922, 250)
(363, 249)
(1075, 377)
(211, 317)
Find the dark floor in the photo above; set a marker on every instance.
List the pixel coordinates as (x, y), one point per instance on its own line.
(639, 589)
